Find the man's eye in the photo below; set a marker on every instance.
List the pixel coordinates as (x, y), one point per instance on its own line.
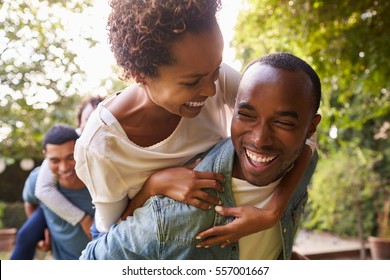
(245, 115)
(285, 124)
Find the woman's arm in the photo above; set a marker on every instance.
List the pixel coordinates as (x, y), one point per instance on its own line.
(180, 183)
(183, 187)
(105, 184)
(106, 214)
(287, 186)
(47, 192)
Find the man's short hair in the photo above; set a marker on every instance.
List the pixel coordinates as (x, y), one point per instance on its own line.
(59, 134)
(290, 62)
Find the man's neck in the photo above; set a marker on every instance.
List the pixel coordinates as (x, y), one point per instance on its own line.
(236, 172)
(76, 185)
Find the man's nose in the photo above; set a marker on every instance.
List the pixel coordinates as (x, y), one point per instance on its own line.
(262, 135)
(63, 166)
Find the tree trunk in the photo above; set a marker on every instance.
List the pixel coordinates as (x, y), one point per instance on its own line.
(359, 217)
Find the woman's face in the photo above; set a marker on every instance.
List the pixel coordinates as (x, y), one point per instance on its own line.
(183, 87)
(87, 111)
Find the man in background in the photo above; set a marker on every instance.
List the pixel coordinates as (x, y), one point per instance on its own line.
(66, 240)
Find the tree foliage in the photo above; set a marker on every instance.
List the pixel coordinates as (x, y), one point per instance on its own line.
(39, 71)
(347, 43)
(347, 190)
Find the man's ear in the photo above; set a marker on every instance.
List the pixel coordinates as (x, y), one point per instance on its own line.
(313, 126)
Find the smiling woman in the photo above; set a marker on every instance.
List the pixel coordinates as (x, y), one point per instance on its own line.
(160, 109)
(101, 69)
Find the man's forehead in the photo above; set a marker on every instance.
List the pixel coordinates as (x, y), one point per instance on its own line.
(262, 74)
(60, 149)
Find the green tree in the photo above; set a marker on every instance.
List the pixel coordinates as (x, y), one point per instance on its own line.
(347, 191)
(39, 72)
(347, 43)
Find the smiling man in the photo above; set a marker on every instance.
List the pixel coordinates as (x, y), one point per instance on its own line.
(274, 116)
(67, 241)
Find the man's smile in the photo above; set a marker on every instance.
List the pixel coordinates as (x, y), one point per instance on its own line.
(259, 159)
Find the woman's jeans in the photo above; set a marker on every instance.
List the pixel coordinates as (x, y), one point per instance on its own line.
(29, 235)
(94, 231)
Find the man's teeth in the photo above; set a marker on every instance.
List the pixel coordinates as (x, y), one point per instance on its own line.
(66, 174)
(258, 158)
(195, 104)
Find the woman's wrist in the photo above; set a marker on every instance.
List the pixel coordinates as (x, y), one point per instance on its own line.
(152, 186)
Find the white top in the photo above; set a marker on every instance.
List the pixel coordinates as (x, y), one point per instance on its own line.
(114, 168)
(262, 245)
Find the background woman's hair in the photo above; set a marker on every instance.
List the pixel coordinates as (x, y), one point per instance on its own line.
(93, 101)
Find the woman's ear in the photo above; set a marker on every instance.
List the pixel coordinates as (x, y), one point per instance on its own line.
(139, 78)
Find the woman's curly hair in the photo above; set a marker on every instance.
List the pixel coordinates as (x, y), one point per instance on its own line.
(142, 31)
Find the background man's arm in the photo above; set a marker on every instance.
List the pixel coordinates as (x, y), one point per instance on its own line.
(29, 208)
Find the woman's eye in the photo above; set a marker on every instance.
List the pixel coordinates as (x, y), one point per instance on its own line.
(193, 84)
(216, 74)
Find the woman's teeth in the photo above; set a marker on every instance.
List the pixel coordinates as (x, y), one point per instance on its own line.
(195, 104)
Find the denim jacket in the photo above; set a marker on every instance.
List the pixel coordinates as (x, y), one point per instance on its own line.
(166, 229)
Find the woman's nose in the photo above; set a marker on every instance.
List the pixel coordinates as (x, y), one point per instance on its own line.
(209, 89)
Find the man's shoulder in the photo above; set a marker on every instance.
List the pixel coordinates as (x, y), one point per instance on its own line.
(221, 151)
(32, 177)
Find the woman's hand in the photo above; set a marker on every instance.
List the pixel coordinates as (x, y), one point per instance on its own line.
(186, 185)
(180, 183)
(45, 244)
(248, 220)
(86, 223)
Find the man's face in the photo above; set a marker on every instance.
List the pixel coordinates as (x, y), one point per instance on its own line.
(273, 117)
(62, 163)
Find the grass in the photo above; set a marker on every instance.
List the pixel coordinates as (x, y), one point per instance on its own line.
(39, 255)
